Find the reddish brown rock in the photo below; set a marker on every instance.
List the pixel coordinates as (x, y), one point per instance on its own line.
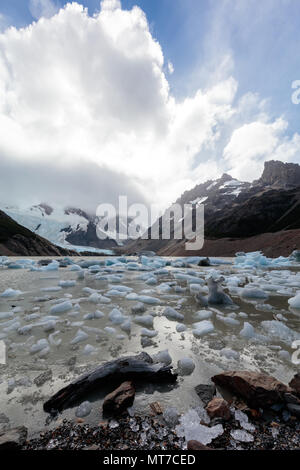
(218, 408)
(156, 408)
(120, 399)
(196, 445)
(257, 389)
(295, 384)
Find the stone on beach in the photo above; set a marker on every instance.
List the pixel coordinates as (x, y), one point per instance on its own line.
(218, 408)
(196, 445)
(120, 399)
(205, 392)
(257, 389)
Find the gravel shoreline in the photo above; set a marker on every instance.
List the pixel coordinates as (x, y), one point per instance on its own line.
(151, 433)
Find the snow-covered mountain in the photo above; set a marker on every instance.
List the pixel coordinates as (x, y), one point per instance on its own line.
(69, 227)
(237, 210)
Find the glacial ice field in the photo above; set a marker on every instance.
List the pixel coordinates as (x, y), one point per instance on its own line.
(59, 320)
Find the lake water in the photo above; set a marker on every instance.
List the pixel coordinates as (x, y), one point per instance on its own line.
(22, 401)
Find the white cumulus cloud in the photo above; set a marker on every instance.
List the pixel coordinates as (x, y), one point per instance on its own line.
(90, 92)
(252, 144)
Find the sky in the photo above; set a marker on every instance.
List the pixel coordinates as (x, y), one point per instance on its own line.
(143, 98)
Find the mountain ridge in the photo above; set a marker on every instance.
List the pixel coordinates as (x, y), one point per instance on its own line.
(239, 210)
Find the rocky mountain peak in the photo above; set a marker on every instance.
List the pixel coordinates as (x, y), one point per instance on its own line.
(225, 177)
(279, 174)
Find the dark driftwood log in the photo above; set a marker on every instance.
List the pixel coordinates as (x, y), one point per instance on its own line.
(138, 368)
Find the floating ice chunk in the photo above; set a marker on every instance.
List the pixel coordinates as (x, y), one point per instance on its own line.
(104, 300)
(6, 315)
(126, 326)
(171, 314)
(163, 288)
(132, 296)
(75, 267)
(91, 329)
(228, 320)
(80, 336)
(162, 357)
(15, 266)
(69, 283)
(149, 333)
(12, 326)
(61, 308)
(110, 330)
(83, 410)
(233, 281)
(202, 315)
(122, 288)
(191, 429)
(243, 315)
(248, 331)
(10, 293)
(151, 281)
(295, 301)
(117, 317)
(148, 300)
(24, 330)
(95, 298)
(230, 354)
(53, 266)
(241, 435)
(144, 320)
(185, 366)
(203, 328)
(39, 346)
(161, 272)
(88, 349)
(180, 327)
(253, 293)
(88, 290)
(115, 293)
(93, 315)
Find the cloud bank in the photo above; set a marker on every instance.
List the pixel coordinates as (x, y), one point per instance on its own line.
(86, 114)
